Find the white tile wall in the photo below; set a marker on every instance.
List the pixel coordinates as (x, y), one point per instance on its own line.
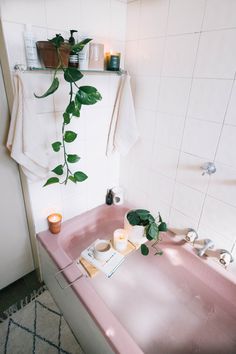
(105, 21)
(195, 120)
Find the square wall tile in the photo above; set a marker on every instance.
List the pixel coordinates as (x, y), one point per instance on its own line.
(158, 206)
(226, 153)
(149, 56)
(185, 16)
(180, 55)
(26, 12)
(219, 240)
(223, 184)
(160, 188)
(190, 172)
(219, 217)
(146, 92)
(216, 55)
(131, 50)
(209, 99)
(188, 201)
(201, 138)
(179, 223)
(174, 94)
(61, 8)
(95, 17)
(118, 20)
(169, 129)
(146, 123)
(153, 18)
(165, 160)
(219, 14)
(231, 111)
(132, 25)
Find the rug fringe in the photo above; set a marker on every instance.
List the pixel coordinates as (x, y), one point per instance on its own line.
(19, 305)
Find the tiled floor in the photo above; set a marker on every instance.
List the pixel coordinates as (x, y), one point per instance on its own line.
(18, 290)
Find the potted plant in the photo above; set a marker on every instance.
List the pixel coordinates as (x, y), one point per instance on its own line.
(141, 224)
(78, 96)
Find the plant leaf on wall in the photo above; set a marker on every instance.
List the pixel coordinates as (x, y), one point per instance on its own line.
(70, 136)
(56, 146)
(88, 95)
(54, 86)
(51, 180)
(80, 46)
(72, 75)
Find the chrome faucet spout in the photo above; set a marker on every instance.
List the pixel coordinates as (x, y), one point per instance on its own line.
(208, 244)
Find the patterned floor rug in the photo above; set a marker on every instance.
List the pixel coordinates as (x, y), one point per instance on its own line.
(38, 328)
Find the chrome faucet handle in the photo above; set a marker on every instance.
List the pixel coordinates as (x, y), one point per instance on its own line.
(208, 244)
(191, 235)
(225, 257)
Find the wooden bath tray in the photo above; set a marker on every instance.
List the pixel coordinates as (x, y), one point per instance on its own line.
(92, 271)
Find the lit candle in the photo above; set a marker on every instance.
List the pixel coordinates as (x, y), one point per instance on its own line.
(54, 223)
(120, 240)
(112, 61)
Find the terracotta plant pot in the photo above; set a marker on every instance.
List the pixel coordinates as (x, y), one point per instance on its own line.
(48, 54)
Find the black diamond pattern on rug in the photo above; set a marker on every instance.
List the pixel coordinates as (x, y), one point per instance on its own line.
(37, 340)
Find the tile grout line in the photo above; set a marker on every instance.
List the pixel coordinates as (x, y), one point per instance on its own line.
(187, 108)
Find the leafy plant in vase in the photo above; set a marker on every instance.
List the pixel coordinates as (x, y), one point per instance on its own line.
(78, 96)
(149, 226)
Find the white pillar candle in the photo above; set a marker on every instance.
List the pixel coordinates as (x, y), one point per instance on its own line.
(120, 240)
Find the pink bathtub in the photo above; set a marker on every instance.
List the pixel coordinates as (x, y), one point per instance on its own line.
(170, 304)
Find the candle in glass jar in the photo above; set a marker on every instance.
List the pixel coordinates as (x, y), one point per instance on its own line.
(112, 61)
(120, 240)
(54, 223)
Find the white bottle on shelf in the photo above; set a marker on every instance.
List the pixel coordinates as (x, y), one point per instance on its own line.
(30, 48)
(84, 56)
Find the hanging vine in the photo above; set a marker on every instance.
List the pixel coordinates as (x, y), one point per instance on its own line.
(78, 96)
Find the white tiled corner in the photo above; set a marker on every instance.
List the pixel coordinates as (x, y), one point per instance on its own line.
(160, 188)
(174, 94)
(216, 55)
(169, 129)
(146, 92)
(149, 56)
(201, 138)
(153, 17)
(231, 111)
(179, 223)
(188, 201)
(165, 160)
(223, 184)
(190, 173)
(132, 26)
(219, 14)
(180, 55)
(226, 153)
(219, 217)
(185, 16)
(131, 50)
(209, 99)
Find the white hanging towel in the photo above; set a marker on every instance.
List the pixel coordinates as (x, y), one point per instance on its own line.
(27, 140)
(123, 132)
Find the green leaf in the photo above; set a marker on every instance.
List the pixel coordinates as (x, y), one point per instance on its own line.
(58, 170)
(143, 214)
(162, 226)
(80, 46)
(70, 108)
(69, 136)
(80, 176)
(159, 253)
(144, 250)
(72, 74)
(54, 86)
(88, 95)
(73, 158)
(57, 41)
(160, 218)
(153, 230)
(72, 179)
(151, 218)
(66, 117)
(51, 181)
(56, 146)
(133, 218)
(149, 237)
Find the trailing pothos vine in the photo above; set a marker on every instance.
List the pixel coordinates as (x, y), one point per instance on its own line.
(78, 96)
